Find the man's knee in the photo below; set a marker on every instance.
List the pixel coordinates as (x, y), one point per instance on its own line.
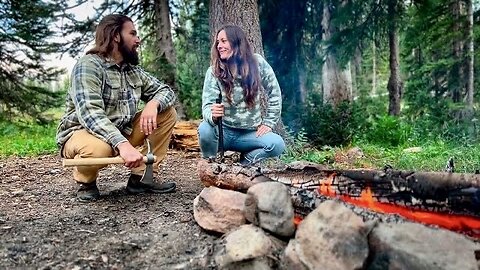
(84, 144)
(169, 115)
(96, 148)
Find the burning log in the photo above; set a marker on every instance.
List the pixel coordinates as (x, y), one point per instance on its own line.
(432, 191)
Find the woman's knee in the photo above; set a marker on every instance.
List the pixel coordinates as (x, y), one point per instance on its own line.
(276, 145)
(206, 132)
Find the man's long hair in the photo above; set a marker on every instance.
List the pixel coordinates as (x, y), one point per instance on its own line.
(242, 62)
(107, 29)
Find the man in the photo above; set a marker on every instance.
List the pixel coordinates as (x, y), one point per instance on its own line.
(101, 118)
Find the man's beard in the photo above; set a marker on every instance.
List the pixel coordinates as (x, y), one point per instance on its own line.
(129, 56)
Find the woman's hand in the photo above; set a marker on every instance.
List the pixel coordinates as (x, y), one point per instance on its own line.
(262, 130)
(148, 118)
(132, 157)
(217, 111)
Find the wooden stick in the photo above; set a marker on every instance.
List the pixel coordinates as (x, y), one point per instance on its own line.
(96, 161)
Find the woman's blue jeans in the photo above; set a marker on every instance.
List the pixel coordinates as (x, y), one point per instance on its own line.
(252, 148)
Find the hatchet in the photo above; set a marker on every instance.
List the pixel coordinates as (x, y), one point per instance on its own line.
(148, 159)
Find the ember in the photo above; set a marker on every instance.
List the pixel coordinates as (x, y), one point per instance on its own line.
(460, 223)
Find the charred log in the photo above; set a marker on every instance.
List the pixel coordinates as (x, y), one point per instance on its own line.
(227, 176)
(433, 191)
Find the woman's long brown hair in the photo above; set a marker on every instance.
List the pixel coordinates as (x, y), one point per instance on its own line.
(242, 62)
(107, 29)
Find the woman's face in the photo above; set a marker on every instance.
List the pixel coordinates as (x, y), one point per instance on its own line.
(223, 46)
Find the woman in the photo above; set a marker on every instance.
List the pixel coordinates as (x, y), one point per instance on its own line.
(239, 78)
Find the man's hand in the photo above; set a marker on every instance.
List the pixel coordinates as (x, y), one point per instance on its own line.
(148, 118)
(262, 130)
(133, 158)
(217, 111)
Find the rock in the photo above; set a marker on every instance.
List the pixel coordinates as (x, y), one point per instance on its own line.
(331, 236)
(248, 247)
(269, 206)
(219, 210)
(415, 246)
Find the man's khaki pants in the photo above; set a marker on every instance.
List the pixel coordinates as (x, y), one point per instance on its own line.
(82, 144)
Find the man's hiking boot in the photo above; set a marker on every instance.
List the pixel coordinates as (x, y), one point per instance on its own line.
(88, 192)
(135, 186)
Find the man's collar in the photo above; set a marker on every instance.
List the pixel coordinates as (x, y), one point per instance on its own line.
(110, 62)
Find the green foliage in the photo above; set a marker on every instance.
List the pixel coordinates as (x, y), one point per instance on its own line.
(27, 138)
(386, 130)
(436, 67)
(192, 45)
(301, 149)
(24, 39)
(325, 125)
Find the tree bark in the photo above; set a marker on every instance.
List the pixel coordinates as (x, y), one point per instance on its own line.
(458, 72)
(395, 83)
(374, 69)
(336, 81)
(164, 34)
(165, 55)
(471, 53)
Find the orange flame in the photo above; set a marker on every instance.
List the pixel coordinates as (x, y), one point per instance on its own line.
(460, 223)
(297, 220)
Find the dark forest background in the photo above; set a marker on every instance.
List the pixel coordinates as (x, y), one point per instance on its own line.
(384, 75)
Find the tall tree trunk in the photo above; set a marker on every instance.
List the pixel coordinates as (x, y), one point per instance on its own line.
(337, 82)
(302, 88)
(241, 13)
(356, 72)
(165, 55)
(395, 83)
(374, 69)
(471, 52)
(164, 34)
(458, 75)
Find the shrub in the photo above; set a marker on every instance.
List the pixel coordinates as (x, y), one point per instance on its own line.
(325, 125)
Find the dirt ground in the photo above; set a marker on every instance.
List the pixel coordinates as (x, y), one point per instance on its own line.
(42, 226)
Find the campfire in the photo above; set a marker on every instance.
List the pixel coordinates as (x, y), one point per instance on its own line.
(447, 200)
(423, 202)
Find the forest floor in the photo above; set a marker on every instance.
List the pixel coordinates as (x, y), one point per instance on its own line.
(43, 226)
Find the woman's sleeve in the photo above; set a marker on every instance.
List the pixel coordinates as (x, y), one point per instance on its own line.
(210, 93)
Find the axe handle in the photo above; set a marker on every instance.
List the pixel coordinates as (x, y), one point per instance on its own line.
(96, 161)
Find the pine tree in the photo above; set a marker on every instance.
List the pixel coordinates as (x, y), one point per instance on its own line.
(25, 37)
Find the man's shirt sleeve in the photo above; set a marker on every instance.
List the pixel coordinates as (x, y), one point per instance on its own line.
(156, 90)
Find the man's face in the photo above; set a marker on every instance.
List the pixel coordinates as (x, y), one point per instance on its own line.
(129, 42)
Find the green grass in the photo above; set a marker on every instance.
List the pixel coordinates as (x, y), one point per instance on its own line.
(432, 156)
(27, 139)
